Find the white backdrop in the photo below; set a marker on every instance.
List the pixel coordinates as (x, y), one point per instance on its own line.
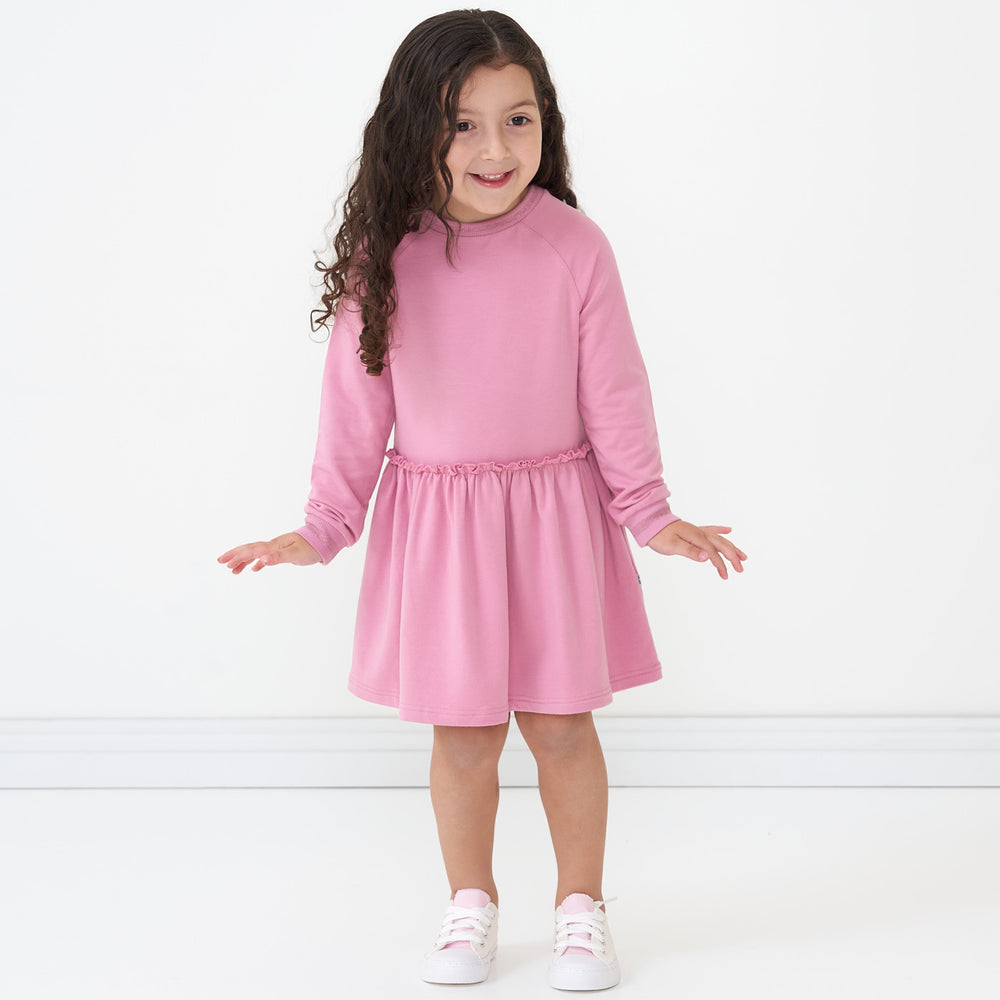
(802, 198)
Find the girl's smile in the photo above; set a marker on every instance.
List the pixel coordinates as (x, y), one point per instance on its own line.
(497, 146)
(493, 180)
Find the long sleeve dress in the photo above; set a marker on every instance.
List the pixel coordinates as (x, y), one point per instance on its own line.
(498, 575)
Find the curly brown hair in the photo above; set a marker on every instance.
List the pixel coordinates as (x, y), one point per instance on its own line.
(400, 158)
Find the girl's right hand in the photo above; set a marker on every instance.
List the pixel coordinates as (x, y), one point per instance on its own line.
(291, 548)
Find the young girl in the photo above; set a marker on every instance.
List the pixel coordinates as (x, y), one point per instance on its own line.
(480, 313)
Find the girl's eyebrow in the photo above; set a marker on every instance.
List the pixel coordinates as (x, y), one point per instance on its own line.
(513, 107)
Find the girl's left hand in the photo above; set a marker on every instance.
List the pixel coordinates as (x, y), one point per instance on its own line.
(684, 539)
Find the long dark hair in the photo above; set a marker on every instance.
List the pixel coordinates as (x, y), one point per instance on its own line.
(400, 158)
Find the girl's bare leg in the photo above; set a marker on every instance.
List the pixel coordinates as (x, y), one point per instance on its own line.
(465, 791)
(573, 782)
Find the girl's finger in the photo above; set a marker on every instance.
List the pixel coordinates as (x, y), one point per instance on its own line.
(709, 551)
(693, 551)
(243, 559)
(728, 547)
(243, 553)
(719, 564)
(269, 557)
(233, 555)
(731, 550)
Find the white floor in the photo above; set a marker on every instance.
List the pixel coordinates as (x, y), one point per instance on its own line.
(722, 893)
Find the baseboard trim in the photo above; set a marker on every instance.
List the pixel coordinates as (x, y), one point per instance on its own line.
(716, 751)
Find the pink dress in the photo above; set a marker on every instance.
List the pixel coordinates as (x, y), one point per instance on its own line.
(498, 575)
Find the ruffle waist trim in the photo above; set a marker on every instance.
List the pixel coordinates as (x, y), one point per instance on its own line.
(475, 468)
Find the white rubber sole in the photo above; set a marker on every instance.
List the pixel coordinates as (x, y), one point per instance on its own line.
(440, 967)
(564, 976)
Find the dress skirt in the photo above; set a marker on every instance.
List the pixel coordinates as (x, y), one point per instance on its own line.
(496, 587)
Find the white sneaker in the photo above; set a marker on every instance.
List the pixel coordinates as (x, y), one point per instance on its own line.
(467, 943)
(585, 957)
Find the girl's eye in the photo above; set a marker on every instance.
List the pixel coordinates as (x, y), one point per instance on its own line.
(519, 121)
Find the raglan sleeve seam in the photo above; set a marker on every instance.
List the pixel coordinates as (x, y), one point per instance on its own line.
(357, 413)
(615, 399)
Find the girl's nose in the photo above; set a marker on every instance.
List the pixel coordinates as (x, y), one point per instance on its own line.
(494, 145)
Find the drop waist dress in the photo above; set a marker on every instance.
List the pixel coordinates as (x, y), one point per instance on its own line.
(498, 575)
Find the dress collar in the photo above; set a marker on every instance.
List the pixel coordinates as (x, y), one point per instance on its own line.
(485, 227)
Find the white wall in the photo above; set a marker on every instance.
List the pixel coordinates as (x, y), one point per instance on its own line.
(803, 200)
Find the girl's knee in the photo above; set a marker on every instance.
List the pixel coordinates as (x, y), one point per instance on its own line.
(471, 746)
(555, 735)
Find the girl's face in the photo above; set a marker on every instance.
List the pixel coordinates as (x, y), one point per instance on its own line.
(498, 146)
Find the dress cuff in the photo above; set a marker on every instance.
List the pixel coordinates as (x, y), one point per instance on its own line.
(649, 524)
(326, 543)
